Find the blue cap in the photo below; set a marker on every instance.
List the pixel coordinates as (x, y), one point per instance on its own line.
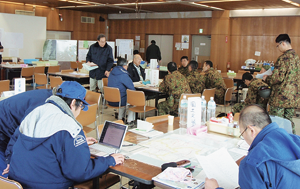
(73, 90)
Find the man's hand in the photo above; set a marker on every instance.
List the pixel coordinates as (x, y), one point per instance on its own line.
(5, 171)
(90, 140)
(211, 184)
(265, 77)
(107, 73)
(119, 158)
(91, 64)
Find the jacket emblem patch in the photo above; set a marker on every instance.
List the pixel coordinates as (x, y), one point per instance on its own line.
(79, 140)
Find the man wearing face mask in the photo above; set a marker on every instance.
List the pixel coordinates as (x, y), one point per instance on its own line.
(273, 159)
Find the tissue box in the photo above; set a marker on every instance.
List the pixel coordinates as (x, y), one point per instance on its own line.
(221, 128)
(231, 74)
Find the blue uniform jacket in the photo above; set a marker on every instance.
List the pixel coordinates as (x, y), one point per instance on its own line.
(273, 160)
(14, 109)
(119, 78)
(102, 56)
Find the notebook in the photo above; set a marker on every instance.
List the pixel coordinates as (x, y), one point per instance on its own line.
(111, 139)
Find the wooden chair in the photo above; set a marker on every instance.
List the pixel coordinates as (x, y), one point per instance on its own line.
(40, 79)
(67, 71)
(9, 184)
(236, 117)
(228, 82)
(53, 68)
(207, 93)
(55, 81)
(74, 66)
(156, 119)
(227, 98)
(106, 181)
(105, 81)
(39, 69)
(27, 73)
(138, 100)
(4, 85)
(93, 98)
(88, 117)
(79, 65)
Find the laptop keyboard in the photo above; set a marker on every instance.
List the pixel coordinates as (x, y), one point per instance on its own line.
(106, 149)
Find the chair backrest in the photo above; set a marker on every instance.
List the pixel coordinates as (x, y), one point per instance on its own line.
(228, 82)
(189, 95)
(66, 71)
(79, 65)
(156, 119)
(207, 93)
(55, 81)
(4, 85)
(105, 81)
(53, 68)
(40, 78)
(74, 65)
(9, 184)
(136, 98)
(39, 69)
(27, 72)
(92, 97)
(111, 94)
(88, 117)
(228, 94)
(236, 117)
(283, 123)
(100, 127)
(242, 71)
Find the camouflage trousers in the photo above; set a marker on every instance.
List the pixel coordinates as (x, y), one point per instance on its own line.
(286, 113)
(219, 96)
(238, 107)
(164, 109)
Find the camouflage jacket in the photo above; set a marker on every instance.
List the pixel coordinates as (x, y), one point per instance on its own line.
(284, 81)
(184, 71)
(196, 82)
(253, 95)
(213, 79)
(174, 84)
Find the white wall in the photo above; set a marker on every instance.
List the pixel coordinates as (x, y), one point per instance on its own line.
(24, 33)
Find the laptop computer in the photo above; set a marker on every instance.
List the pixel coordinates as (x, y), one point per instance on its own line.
(111, 139)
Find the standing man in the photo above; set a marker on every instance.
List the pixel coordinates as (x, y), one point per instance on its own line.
(214, 80)
(1, 51)
(136, 72)
(174, 84)
(284, 81)
(184, 66)
(153, 52)
(100, 54)
(253, 93)
(195, 79)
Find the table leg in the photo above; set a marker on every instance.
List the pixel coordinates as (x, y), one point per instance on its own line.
(96, 183)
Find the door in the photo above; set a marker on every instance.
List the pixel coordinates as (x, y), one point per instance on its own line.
(165, 43)
(200, 48)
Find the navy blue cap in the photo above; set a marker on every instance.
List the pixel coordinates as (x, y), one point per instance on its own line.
(73, 90)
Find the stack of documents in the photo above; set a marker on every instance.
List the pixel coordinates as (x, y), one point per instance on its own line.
(145, 128)
(260, 76)
(89, 68)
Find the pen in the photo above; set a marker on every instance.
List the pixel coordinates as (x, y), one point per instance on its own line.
(128, 145)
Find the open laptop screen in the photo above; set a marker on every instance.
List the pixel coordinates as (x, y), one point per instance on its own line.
(113, 134)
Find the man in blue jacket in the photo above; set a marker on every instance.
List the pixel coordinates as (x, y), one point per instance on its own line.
(13, 110)
(273, 159)
(119, 78)
(100, 54)
(51, 150)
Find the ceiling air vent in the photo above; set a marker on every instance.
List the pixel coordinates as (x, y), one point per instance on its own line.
(24, 12)
(90, 20)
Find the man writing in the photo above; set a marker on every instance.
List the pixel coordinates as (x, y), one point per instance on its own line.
(100, 54)
(273, 157)
(284, 82)
(136, 72)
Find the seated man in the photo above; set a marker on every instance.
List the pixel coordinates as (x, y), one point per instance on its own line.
(184, 66)
(136, 72)
(195, 79)
(213, 79)
(51, 150)
(119, 78)
(174, 84)
(273, 157)
(252, 94)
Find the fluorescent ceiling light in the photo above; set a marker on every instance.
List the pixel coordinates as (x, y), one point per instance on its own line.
(206, 6)
(139, 3)
(291, 2)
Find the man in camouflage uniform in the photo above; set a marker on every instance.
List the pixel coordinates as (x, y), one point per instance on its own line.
(213, 79)
(184, 66)
(284, 82)
(174, 84)
(195, 79)
(252, 94)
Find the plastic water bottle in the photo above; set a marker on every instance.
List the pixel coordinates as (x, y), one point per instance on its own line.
(211, 109)
(183, 112)
(203, 111)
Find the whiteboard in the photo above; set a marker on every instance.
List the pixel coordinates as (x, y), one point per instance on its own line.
(22, 35)
(125, 46)
(83, 48)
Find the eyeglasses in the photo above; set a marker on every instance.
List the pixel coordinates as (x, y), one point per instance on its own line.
(278, 44)
(241, 136)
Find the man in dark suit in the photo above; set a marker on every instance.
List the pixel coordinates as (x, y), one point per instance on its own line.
(1, 50)
(136, 72)
(153, 52)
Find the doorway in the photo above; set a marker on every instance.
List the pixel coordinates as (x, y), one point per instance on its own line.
(165, 43)
(201, 48)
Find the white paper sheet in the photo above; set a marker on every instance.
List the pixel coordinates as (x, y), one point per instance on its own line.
(260, 76)
(185, 45)
(220, 166)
